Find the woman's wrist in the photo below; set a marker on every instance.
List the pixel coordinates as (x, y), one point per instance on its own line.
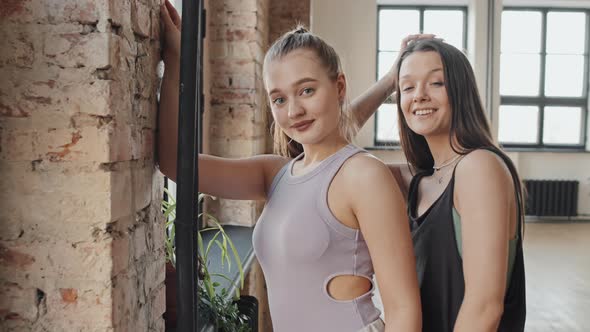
(391, 78)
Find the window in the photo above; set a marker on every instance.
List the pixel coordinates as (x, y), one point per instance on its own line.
(544, 78)
(394, 24)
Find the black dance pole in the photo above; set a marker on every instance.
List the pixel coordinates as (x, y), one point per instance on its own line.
(187, 167)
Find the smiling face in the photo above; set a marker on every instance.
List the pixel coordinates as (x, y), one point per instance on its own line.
(304, 100)
(423, 95)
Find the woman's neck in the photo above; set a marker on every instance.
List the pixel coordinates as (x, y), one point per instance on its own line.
(441, 149)
(315, 153)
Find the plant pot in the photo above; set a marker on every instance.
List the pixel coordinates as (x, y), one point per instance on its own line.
(170, 282)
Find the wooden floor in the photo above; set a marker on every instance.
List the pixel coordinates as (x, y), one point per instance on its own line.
(557, 263)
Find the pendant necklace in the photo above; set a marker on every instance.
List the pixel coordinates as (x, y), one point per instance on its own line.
(445, 164)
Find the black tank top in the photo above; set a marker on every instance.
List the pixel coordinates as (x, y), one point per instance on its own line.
(440, 267)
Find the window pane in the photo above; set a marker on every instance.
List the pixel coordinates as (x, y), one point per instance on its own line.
(562, 125)
(566, 32)
(518, 124)
(564, 75)
(385, 61)
(519, 74)
(395, 25)
(387, 129)
(521, 31)
(447, 24)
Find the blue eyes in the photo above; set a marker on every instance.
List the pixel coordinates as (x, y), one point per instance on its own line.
(304, 92)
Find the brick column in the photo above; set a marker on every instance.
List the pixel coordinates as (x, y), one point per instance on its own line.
(81, 235)
(237, 39)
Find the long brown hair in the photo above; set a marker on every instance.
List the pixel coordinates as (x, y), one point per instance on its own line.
(301, 38)
(470, 129)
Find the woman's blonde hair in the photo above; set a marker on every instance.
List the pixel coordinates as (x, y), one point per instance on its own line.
(301, 38)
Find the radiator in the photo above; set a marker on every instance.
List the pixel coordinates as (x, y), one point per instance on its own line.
(551, 198)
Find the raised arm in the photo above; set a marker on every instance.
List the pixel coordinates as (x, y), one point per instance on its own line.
(247, 178)
(168, 112)
(381, 213)
(484, 199)
(365, 105)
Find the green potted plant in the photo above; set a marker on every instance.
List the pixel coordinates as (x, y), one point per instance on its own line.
(214, 306)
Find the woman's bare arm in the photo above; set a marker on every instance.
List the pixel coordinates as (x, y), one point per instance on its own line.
(246, 178)
(483, 188)
(365, 105)
(168, 110)
(381, 213)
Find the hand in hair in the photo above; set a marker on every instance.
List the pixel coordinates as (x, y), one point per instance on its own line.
(366, 104)
(412, 38)
(405, 42)
(171, 23)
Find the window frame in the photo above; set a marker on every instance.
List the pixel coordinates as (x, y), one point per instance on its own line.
(543, 101)
(421, 9)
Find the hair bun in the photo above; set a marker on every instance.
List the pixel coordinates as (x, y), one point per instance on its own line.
(300, 29)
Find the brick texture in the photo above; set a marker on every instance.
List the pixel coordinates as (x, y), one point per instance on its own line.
(237, 107)
(81, 236)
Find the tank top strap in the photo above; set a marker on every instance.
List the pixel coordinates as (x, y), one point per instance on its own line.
(325, 180)
(413, 191)
(452, 181)
(338, 159)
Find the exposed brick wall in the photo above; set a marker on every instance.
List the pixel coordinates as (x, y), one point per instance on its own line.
(237, 39)
(286, 14)
(81, 236)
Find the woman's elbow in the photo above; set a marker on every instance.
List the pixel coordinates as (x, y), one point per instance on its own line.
(492, 312)
(485, 314)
